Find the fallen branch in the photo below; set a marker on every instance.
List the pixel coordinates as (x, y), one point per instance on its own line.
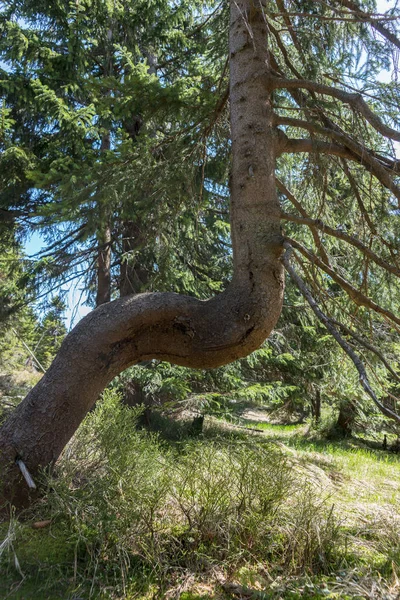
(41, 524)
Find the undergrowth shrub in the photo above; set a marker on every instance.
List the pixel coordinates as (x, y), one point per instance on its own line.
(138, 511)
(311, 532)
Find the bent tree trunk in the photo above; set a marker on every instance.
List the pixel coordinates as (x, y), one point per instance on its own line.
(167, 326)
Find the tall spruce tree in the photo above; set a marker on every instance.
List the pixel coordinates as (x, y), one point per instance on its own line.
(307, 116)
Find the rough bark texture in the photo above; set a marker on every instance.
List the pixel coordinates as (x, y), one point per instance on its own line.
(103, 294)
(345, 421)
(167, 326)
(134, 276)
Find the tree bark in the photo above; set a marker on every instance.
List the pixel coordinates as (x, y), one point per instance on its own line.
(133, 280)
(133, 275)
(104, 266)
(167, 326)
(316, 406)
(346, 417)
(104, 253)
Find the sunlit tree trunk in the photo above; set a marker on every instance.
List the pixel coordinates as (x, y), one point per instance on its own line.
(167, 326)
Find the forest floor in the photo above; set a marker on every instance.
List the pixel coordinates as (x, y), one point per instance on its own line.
(363, 487)
(340, 538)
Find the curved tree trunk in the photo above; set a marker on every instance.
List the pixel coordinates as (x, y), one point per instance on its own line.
(167, 326)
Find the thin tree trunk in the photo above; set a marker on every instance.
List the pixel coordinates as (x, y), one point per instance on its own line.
(316, 406)
(134, 276)
(345, 422)
(104, 244)
(172, 327)
(133, 280)
(104, 266)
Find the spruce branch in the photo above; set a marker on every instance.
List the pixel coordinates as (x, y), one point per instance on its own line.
(329, 325)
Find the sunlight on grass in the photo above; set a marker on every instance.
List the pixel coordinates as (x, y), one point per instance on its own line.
(254, 511)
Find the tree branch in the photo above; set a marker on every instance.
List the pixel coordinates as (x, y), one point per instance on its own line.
(283, 12)
(367, 346)
(317, 240)
(354, 100)
(333, 131)
(284, 53)
(294, 145)
(356, 296)
(328, 324)
(360, 15)
(365, 214)
(341, 235)
(288, 145)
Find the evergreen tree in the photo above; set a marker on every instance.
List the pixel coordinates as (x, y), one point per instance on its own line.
(292, 92)
(26, 340)
(99, 94)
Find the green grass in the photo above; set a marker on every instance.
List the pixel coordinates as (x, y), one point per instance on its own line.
(232, 513)
(377, 471)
